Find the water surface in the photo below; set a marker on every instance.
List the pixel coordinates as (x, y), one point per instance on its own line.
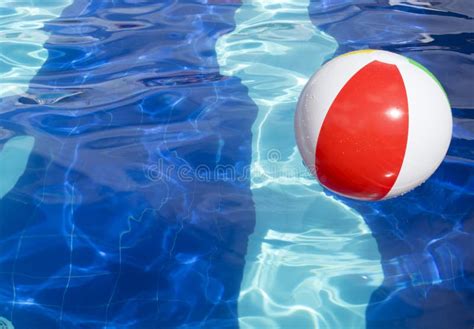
(122, 119)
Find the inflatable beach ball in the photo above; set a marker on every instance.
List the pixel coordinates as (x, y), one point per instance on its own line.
(372, 124)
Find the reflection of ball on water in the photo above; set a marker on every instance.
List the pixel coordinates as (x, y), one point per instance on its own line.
(373, 124)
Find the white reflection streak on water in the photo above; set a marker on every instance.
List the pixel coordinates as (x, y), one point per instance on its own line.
(21, 41)
(312, 262)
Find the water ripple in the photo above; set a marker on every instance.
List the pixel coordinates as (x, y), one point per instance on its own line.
(311, 262)
(21, 40)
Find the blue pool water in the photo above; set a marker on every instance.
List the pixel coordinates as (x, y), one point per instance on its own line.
(149, 176)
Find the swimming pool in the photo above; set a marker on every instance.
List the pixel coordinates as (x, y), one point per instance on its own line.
(150, 176)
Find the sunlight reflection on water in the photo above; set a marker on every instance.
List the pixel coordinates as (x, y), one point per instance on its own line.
(311, 262)
(21, 40)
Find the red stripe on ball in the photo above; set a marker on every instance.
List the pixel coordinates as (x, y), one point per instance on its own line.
(362, 142)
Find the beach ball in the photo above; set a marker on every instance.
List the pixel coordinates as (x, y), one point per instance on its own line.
(372, 124)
